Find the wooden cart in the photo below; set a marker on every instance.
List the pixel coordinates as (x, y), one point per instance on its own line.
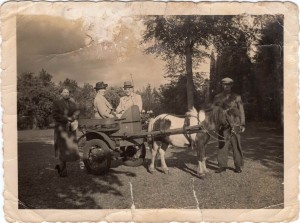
(104, 140)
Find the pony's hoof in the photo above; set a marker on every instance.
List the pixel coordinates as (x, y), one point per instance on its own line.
(151, 169)
(57, 167)
(201, 175)
(166, 171)
(63, 172)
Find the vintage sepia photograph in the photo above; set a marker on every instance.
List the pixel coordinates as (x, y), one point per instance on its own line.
(119, 110)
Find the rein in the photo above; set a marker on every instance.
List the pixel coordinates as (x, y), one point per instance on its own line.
(177, 116)
(223, 139)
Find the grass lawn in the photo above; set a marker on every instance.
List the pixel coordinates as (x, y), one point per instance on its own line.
(260, 185)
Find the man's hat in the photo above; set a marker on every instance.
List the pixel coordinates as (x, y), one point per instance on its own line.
(128, 84)
(227, 80)
(100, 85)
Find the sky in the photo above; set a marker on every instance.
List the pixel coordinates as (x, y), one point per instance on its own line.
(88, 50)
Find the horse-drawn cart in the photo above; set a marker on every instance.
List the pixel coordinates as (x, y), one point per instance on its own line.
(104, 140)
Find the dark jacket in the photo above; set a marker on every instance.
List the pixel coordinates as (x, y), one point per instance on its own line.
(234, 106)
(65, 142)
(64, 109)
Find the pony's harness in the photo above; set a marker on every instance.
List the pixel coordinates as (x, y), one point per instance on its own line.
(219, 137)
(186, 124)
(223, 139)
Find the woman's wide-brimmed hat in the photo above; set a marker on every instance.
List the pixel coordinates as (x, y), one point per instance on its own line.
(100, 85)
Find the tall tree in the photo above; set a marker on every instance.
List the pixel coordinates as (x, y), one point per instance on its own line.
(178, 40)
(85, 99)
(150, 98)
(257, 69)
(34, 100)
(212, 76)
(113, 95)
(71, 85)
(269, 69)
(173, 98)
(183, 41)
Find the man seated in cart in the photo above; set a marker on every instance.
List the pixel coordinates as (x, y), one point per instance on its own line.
(129, 99)
(102, 107)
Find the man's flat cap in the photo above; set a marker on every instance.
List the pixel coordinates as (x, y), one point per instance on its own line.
(227, 80)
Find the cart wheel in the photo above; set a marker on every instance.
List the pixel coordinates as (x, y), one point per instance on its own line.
(97, 156)
(135, 157)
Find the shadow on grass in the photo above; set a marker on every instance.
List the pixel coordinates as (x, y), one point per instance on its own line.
(40, 187)
(262, 142)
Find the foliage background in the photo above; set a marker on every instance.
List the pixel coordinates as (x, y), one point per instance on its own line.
(249, 52)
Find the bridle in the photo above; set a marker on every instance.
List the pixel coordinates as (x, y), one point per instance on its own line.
(220, 137)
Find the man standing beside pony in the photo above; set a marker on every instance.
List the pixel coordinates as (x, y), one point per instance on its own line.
(230, 136)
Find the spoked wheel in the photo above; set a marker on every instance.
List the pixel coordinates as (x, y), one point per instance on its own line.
(97, 156)
(135, 156)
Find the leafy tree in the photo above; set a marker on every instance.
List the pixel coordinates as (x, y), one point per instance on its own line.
(113, 95)
(258, 78)
(72, 86)
(268, 70)
(178, 39)
(173, 97)
(183, 41)
(34, 99)
(85, 99)
(151, 99)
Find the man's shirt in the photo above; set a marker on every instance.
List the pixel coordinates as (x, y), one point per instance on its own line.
(102, 107)
(128, 101)
(234, 105)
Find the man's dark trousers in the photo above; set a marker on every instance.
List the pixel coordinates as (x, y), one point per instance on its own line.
(233, 140)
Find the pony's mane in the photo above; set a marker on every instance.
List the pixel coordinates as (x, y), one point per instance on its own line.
(214, 117)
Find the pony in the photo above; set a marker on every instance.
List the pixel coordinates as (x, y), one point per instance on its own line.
(211, 119)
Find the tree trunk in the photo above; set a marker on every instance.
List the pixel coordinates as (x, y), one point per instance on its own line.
(189, 74)
(212, 87)
(207, 93)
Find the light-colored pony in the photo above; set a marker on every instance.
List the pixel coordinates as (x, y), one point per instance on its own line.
(210, 120)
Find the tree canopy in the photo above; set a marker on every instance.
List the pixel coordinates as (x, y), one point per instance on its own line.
(183, 41)
(258, 78)
(34, 99)
(248, 49)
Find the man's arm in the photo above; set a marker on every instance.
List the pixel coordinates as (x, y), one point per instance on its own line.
(120, 107)
(76, 109)
(102, 108)
(139, 102)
